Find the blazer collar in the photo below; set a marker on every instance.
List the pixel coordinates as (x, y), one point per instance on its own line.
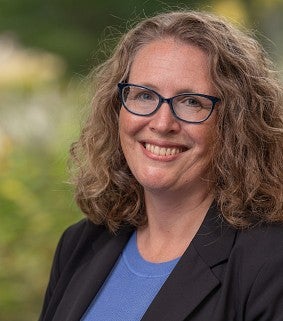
(178, 296)
(193, 279)
(89, 278)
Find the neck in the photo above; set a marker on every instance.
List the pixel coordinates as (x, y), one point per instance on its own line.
(173, 218)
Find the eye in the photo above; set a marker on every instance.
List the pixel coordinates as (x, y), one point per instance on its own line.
(144, 95)
(139, 94)
(189, 101)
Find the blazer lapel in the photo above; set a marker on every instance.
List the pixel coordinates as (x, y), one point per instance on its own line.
(87, 280)
(193, 279)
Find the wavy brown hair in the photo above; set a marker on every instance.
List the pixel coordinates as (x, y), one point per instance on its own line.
(247, 168)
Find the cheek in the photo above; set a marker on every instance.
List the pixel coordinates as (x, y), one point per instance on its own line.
(122, 134)
(204, 137)
(201, 136)
(127, 130)
(123, 124)
(130, 124)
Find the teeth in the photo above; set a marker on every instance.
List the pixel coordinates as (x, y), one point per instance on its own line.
(162, 151)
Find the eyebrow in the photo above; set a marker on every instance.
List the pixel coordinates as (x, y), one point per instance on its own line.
(181, 91)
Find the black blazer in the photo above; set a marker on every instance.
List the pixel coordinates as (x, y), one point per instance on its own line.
(224, 275)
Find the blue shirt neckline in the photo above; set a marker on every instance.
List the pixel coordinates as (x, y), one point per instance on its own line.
(139, 266)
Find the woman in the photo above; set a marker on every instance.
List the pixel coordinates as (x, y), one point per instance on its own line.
(183, 194)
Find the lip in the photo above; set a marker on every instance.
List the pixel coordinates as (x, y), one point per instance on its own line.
(165, 146)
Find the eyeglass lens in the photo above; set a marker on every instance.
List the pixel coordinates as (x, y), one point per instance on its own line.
(189, 107)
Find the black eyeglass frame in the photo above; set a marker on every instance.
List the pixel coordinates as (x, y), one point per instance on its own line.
(162, 99)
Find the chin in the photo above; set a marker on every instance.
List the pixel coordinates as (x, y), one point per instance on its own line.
(159, 185)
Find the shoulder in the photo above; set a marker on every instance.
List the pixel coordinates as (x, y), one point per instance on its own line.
(82, 229)
(75, 248)
(264, 240)
(79, 241)
(256, 261)
(255, 249)
(76, 242)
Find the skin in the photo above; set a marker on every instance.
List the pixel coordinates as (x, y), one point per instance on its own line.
(176, 190)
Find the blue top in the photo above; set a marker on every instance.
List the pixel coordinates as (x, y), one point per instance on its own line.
(130, 288)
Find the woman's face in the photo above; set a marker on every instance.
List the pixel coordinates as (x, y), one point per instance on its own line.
(170, 68)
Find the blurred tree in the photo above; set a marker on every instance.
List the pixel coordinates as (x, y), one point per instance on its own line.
(73, 29)
(265, 17)
(35, 199)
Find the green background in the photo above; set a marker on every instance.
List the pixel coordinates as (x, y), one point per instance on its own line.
(46, 50)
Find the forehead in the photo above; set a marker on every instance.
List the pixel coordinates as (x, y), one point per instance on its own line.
(171, 63)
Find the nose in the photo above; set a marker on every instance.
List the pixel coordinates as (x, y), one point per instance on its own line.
(163, 121)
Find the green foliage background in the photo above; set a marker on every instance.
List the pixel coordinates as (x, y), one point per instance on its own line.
(46, 49)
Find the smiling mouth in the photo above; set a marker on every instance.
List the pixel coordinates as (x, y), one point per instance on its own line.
(163, 151)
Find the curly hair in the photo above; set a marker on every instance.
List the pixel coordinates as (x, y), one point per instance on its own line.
(246, 174)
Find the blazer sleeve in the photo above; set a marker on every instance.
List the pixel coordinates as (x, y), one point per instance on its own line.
(54, 276)
(65, 251)
(265, 301)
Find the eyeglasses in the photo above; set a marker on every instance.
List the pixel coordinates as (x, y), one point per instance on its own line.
(189, 107)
